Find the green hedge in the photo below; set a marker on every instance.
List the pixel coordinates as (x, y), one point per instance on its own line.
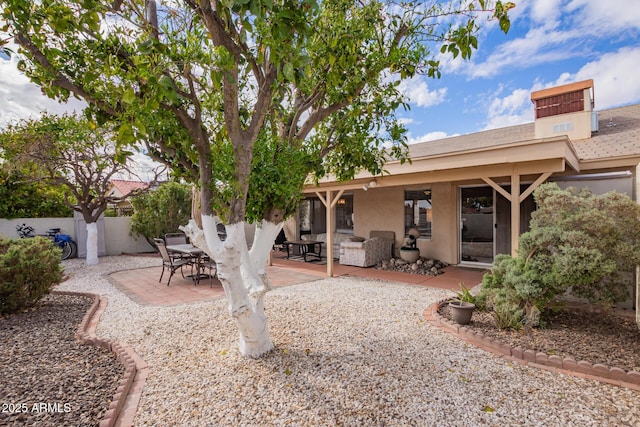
(28, 270)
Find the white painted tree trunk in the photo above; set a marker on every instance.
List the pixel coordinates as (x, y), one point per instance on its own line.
(92, 243)
(242, 273)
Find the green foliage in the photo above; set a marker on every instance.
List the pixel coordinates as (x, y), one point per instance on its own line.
(22, 198)
(71, 154)
(280, 171)
(161, 211)
(578, 242)
(464, 294)
(28, 270)
(251, 106)
(508, 316)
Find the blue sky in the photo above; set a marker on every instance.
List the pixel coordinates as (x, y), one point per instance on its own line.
(551, 42)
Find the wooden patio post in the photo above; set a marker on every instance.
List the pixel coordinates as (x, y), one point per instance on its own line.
(515, 213)
(329, 203)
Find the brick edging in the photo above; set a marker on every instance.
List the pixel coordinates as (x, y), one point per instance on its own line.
(127, 357)
(553, 363)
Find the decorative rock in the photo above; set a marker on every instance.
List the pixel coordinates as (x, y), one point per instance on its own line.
(430, 267)
(42, 340)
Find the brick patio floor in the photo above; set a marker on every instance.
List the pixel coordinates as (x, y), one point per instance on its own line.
(142, 285)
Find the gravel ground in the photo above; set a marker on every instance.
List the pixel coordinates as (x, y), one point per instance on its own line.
(47, 377)
(595, 337)
(349, 352)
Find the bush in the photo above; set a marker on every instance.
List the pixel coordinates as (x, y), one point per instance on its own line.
(161, 211)
(578, 243)
(28, 270)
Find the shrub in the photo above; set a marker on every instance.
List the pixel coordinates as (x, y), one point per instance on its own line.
(162, 211)
(578, 242)
(28, 270)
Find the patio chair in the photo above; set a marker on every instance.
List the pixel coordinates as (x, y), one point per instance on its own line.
(170, 263)
(176, 239)
(278, 244)
(207, 263)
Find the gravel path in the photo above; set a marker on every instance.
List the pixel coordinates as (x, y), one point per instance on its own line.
(348, 352)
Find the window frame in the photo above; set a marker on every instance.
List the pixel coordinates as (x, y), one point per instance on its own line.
(413, 211)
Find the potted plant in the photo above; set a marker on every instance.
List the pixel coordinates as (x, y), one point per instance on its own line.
(462, 306)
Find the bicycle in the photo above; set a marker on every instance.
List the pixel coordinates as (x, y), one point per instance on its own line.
(63, 241)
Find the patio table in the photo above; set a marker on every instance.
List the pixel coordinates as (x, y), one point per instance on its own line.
(196, 254)
(307, 247)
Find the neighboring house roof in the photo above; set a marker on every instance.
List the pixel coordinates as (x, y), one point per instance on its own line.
(122, 187)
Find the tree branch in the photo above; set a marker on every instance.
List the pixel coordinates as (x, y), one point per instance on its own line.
(61, 80)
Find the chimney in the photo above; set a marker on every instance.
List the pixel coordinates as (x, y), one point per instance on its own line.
(565, 110)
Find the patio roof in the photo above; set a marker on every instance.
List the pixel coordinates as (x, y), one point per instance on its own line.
(500, 152)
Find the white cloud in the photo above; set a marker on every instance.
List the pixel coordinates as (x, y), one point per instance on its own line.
(514, 109)
(21, 99)
(614, 75)
(602, 17)
(557, 32)
(406, 121)
(540, 45)
(417, 91)
(544, 10)
(431, 136)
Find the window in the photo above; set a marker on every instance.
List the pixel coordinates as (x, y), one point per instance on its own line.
(418, 212)
(344, 214)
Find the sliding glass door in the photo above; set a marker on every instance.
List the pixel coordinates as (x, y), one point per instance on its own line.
(477, 231)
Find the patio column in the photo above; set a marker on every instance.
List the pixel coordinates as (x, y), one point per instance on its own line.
(329, 203)
(515, 213)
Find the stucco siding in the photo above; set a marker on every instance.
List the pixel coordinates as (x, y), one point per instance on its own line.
(379, 209)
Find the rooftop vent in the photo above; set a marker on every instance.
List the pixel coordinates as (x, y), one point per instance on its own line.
(565, 110)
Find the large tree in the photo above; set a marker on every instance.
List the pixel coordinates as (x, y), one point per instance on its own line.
(75, 155)
(247, 98)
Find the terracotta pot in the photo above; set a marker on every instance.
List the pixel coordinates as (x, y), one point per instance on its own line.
(461, 311)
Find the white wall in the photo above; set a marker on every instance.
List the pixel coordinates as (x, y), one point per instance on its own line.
(116, 232)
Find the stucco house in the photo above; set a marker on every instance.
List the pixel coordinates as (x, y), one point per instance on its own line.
(470, 196)
(120, 188)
